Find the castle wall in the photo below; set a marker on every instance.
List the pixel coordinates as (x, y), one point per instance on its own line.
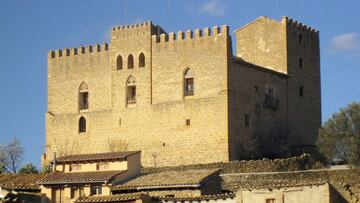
(283, 47)
(156, 125)
(262, 42)
(267, 128)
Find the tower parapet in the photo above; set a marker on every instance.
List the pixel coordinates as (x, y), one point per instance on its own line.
(190, 35)
(82, 50)
(135, 31)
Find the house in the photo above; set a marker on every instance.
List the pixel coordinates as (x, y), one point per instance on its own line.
(88, 174)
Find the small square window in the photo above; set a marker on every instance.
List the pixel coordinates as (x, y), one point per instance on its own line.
(187, 122)
(270, 200)
(247, 120)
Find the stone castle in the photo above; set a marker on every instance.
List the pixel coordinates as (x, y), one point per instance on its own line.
(185, 98)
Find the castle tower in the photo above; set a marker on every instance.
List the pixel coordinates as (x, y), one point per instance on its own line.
(291, 48)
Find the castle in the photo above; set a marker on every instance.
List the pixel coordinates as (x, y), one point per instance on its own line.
(185, 98)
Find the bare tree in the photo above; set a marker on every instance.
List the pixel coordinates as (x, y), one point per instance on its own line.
(117, 145)
(11, 156)
(67, 147)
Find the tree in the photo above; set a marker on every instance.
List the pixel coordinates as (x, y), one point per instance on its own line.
(339, 138)
(28, 169)
(11, 156)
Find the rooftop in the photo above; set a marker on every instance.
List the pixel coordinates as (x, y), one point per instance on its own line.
(21, 181)
(112, 198)
(95, 157)
(79, 177)
(169, 179)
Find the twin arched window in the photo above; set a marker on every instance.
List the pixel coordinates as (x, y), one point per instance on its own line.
(130, 61)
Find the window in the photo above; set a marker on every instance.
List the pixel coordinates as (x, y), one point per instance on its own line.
(270, 200)
(131, 91)
(300, 63)
(271, 101)
(102, 166)
(247, 120)
(82, 125)
(300, 39)
(187, 122)
(301, 91)
(256, 88)
(96, 190)
(75, 167)
(188, 83)
(76, 192)
(130, 62)
(119, 63)
(141, 60)
(83, 97)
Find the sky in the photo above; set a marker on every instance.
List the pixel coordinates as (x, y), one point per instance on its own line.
(29, 29)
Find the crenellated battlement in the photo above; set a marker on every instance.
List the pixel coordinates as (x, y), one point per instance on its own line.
(300, 26)
(142, 25)
(191, 35)
(133, 31)
(90, 49)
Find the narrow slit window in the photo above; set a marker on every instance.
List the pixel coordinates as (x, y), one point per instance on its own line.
(301, 91)
(247, 120)
(300, 63)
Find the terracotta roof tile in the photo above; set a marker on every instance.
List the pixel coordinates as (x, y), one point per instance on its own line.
(184, 178)
(198, 198)
(79, 177)
(21, 181)
(112, 198)
(95, 157)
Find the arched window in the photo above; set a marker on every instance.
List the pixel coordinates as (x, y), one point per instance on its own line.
(131, 91)
(130, 62)
(82, 125)
(119, 63)
(141, 60)
(188, 83)
(83, 96)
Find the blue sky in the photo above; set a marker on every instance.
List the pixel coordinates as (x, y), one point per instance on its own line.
(28, 29)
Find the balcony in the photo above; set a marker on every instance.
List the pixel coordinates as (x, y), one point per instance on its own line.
(188, 92)
(271, 102)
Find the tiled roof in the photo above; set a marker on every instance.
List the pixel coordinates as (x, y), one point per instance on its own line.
(169, 179)
(79, 177)
(95, 157)
(21, 181)
(199, 198)
(112, 198)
